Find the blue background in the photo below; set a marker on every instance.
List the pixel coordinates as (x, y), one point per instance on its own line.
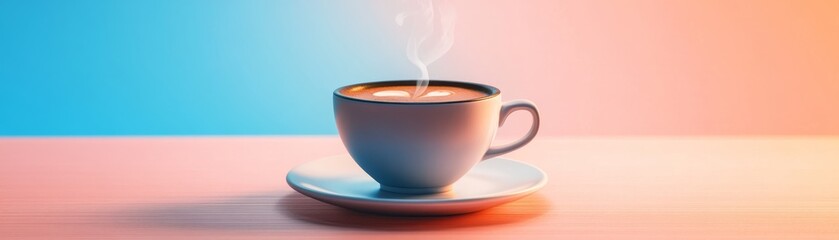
(187, 67)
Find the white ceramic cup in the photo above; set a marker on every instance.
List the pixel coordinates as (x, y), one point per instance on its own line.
(422, 147)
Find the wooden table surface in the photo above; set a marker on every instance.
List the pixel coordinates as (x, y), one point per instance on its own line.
(599, 188)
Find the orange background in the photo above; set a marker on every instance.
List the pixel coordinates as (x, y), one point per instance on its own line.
(656, 67)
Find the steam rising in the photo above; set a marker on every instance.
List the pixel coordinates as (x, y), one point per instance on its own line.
(425, 45)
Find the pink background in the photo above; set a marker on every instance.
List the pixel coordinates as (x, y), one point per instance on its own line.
(656, 67)
(594, 68)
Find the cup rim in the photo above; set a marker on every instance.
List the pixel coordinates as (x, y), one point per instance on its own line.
(490, 90)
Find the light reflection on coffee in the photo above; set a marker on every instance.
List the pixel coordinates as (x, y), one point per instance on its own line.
(438, 93)
(391, 93)
(404, 94)
(398, 93)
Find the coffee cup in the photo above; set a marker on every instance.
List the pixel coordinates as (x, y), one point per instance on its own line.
(423, 144)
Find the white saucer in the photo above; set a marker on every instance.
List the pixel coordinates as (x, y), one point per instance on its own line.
(339, 181)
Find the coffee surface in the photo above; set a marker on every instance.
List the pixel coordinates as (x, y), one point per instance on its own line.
(406, 94)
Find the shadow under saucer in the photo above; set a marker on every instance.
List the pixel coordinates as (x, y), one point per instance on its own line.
(306, 209)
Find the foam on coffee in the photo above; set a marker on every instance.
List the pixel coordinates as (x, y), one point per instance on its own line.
(398, 93)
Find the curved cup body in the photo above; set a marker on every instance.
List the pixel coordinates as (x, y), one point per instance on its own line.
(417, 147)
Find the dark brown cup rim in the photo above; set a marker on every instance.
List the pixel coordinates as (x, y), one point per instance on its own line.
(489, 90)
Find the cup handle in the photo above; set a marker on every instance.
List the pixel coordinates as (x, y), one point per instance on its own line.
(506, 109)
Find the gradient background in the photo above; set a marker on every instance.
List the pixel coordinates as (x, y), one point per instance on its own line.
(204, 67)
